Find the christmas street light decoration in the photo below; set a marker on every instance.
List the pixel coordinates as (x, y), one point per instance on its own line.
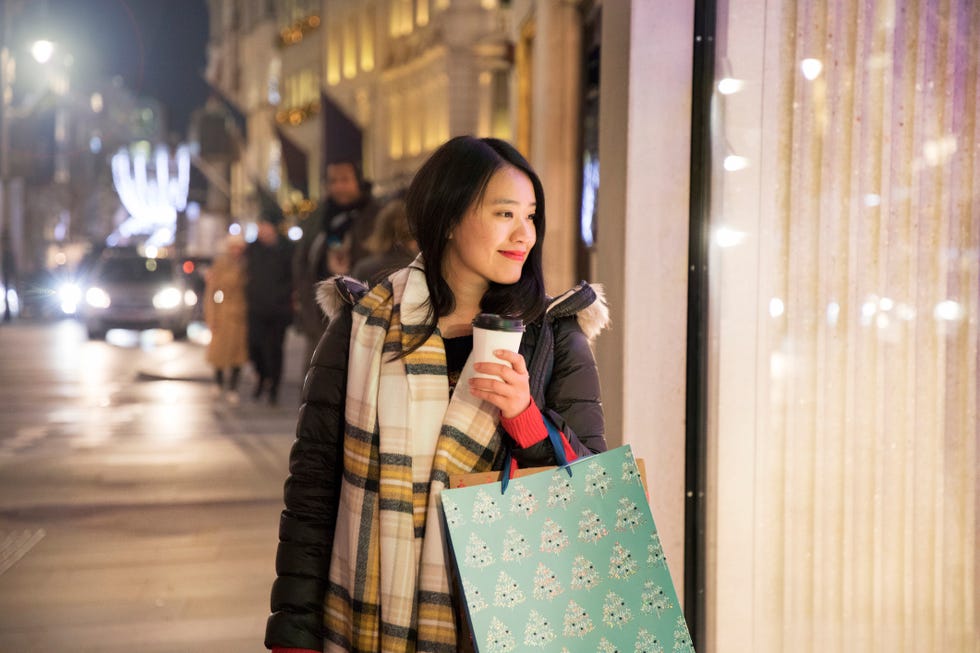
(151, 194)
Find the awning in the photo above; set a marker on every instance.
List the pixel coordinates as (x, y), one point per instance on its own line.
(342, 137)
(295, 160)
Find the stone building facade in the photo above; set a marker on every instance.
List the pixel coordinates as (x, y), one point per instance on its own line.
(410, 74)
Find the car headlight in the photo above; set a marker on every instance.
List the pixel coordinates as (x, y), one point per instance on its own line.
(190, 297)
(70, 295)
(97, 298)
(167, 299)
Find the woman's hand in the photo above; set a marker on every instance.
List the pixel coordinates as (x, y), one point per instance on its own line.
(512, 394)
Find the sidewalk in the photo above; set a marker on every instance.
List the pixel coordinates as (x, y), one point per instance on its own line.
(185, 363)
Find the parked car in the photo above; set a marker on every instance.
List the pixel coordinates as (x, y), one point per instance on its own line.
(128, 291)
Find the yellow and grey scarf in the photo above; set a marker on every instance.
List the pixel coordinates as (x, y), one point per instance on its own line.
(389, 588)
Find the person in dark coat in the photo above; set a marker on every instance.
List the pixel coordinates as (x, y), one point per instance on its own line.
(393, 373)
(269, 295)
(391, 245)
(334, 240)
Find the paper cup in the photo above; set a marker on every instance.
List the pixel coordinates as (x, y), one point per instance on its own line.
(492, 332)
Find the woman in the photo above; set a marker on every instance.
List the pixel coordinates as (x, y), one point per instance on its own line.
(361, 561)
(225, 315)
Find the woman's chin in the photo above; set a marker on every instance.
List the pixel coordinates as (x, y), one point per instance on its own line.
(507, 279)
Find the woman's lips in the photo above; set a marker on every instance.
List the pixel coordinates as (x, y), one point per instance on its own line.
(514, 255)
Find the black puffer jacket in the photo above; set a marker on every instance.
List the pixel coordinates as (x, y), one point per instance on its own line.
(564, 384)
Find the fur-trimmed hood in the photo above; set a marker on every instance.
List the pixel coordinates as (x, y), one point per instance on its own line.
(586, 301)
(336, 292)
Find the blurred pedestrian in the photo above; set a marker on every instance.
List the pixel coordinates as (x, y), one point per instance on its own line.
(269, 294)
(391, 245)
(225, 313)
(333, 240)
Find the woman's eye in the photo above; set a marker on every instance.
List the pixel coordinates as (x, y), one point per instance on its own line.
(505, 214)
(532, 217)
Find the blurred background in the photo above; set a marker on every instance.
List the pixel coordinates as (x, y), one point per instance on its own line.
(787, 228)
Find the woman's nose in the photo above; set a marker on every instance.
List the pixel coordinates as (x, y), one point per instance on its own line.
(524, 231)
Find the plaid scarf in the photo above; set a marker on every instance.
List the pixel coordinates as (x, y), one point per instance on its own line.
(389, 589)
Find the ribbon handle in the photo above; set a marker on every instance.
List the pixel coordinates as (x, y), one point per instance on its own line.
(554, 436)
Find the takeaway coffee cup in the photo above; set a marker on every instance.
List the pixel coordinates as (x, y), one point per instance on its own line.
(491, 332)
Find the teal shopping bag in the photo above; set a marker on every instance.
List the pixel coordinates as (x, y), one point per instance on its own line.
(565, 562)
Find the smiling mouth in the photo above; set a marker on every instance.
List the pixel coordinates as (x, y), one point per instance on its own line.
(515, 255)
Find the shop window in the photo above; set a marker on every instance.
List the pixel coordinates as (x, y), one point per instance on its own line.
(844, 291)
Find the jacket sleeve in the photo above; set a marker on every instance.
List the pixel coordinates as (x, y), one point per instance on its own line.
(572, 398)
(311, 495)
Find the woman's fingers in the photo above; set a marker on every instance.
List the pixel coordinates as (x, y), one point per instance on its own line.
(516, 360)
(513, 373)
(510, 390)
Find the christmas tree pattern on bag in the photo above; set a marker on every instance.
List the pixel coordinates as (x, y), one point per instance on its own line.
(584, 574)
(500, 639)
(538, 632)
(621, 563)
(615, 612)
(507, 593)
(454, 514)
(656, 552)
(473, 597)
(576, 621)
(522, 502)
(561, 493)
(553, 538)
(561, 563)
(485, 510)
(590, 527)
(477, 553)
(516, 546)
(546, 584)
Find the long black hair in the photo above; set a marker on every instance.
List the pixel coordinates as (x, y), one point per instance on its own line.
(443, 190)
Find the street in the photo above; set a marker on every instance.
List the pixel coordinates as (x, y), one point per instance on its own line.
(137, 510)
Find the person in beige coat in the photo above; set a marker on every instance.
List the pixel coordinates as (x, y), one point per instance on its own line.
(225, 311)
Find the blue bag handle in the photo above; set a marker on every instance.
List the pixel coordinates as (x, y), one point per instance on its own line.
(554, 435)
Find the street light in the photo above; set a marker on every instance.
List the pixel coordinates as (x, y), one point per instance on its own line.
(42, 51)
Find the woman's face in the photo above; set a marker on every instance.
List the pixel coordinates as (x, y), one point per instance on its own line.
(494, 238)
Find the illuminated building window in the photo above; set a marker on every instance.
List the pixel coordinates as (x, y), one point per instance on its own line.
(500, 123)
(310, 86)
(394, 7)
(395, 121)
(413, 128)
(483, 113)
(350, 46)
(443, 108)
(489, 4)
(422, 13)
(333, 54)
(442, 4)
(407, 19)
(367, 39)
(437, 120)
(300, 98)
(400, 19)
